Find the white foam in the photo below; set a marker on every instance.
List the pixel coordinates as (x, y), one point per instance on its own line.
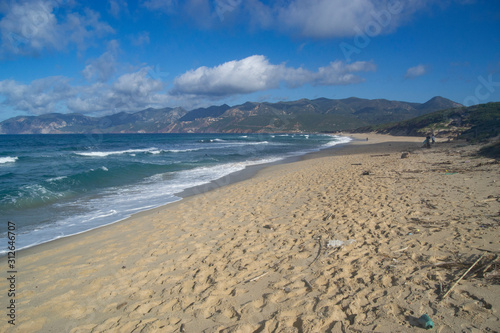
(247, 143)
(337, 141)
(56, 178)
(180, 150)
(8, 159)
(118, 152)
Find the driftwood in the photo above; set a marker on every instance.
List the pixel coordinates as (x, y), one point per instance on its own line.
(319, 252)
(401, 249)
(474, 264)
(257, 277)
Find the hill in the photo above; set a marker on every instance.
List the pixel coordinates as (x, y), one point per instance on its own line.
(304, 115)
(475, 123)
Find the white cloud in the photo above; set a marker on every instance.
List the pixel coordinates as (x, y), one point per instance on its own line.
(140, 89)
(28, 27)
(234, 77)
(345, 18)
(326, 18)
(308, 18)
(102, 68)
(416, 71)
(40, 96)
(256, 73)
(130, 92)
(32, 26)
(339, 73)
(83, 29)
(226, 7)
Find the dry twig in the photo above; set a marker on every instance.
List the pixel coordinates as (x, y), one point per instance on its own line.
(258, 277)
(474, 264)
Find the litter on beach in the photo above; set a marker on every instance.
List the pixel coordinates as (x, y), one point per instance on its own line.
(339, 243)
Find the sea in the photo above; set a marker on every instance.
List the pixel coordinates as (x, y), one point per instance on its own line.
(53, 186)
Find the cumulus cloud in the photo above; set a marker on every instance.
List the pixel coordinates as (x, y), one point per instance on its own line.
(32, 26)
(416, 71)
(256, 73)
(29, 26)
(130, 92)
(234, 77)
(38, 97)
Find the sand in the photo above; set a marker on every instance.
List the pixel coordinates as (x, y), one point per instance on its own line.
(253, 256)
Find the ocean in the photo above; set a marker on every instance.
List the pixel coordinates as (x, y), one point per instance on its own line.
(53, 186)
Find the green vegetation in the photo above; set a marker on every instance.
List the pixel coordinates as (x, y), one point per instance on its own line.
(476, 123)
(492, 150)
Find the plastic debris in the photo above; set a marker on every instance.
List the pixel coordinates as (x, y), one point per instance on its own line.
(426, 322)
(339, 243)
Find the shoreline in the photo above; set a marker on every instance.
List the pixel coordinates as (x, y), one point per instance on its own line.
(378, 143)
(255, 254)
(247, 173)
(241, 175)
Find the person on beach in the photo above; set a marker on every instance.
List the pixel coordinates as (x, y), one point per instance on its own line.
(433, 138)
(427, 142)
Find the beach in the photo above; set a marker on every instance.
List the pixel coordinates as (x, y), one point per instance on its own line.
(349, 239)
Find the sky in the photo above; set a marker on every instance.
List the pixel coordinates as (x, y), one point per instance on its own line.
(102, 57)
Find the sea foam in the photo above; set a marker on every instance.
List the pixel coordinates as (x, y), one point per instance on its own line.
(8, 159)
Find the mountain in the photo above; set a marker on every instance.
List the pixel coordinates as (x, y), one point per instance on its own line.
(145, 121)
(304, 115)
(212, 111)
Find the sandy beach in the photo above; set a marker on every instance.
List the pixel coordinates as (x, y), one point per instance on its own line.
(350, 239)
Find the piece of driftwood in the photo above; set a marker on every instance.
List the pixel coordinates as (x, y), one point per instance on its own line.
(401, 249)
(471, 267)
(487, 266)
(490, 251)
(319, 252)
(257, 277)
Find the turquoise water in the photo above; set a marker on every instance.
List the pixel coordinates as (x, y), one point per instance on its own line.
(54, 186)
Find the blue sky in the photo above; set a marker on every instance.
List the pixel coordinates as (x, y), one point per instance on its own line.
(103, 57)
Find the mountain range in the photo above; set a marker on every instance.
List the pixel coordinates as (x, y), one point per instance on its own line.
(318, 115)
